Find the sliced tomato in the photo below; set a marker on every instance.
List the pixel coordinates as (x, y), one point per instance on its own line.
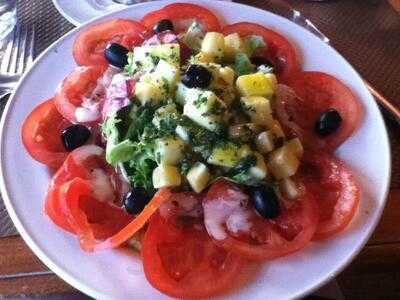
(335, 190)
(88, 49)
(183, 262)
(41, 134)
(88, 163)
(79, 90)
(315, 93)
(178, 12)
(281, 53)
(233, 223)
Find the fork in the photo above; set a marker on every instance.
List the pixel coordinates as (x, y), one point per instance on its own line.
(18, 56)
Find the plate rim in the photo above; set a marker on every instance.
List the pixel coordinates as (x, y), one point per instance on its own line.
(84, 288)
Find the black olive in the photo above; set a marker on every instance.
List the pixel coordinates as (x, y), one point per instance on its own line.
(74, 136)
(163, 25)
(136, 200)
(260, 60)
(265, 201)
(328, 122)
(197, 76)
(116, 55)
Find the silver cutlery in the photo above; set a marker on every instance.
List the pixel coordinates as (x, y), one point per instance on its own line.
(18, 57)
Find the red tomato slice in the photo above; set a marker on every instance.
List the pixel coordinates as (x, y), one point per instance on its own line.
(280, 52)
(77, 86)
(263, 239)
(41, 134)
(177, 12)
(102, 219)
(88, 49)
(88, 163)
(183, 262)
(316, 93)
(335, 189)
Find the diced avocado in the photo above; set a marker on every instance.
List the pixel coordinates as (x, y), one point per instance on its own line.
(243, 64)
(166, 176)
(265, 142)
(224, 155)
(254, 42)
(162, 112)
(233, 45)
(182, 133)
(283, 163)
(295, 146)
(198, 177)
(169, 151)
(258, 109)
(257, 84)
(214, 44)
(205, 109)
(259, 171)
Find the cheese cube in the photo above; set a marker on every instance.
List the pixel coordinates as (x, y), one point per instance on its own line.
(259, 171)
(214, 44)
(227, 74)
(225, 155)
(295, 146)
(289, 189)
(166, 176)
(265, 142)
(169, 151)
(198, 177)
(147, 92)
(233, 45)
(258, 109)
(257, 84)
(283, 163)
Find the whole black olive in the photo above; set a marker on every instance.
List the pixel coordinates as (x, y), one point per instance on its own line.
(260, 60)
(328, 123)
(163, 25)
(136, 200)
(197, 76)
(74, 136)
(116, 55)
(265, 201)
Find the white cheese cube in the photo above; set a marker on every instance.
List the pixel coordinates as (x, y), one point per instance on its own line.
(182, 133)
(259, 171)
(198, 177)
(289, 189)
(265, 142)
(258, 109)
(166, 176)
(169, 151)
(147, 92)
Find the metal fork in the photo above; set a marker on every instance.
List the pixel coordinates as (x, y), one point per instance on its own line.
(18, 56)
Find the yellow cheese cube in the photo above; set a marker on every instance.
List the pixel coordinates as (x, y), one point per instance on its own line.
(233, 45)
(227, 74)
(214, 44)
(283, 163)
(198, 177)
(166, 176)
(258, 109)
(257, 84)
(295, 146)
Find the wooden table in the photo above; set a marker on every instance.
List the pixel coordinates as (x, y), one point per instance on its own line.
(374, 49)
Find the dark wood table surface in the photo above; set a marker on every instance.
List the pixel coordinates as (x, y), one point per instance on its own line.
(367, 33)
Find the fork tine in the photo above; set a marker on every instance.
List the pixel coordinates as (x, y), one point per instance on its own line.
(13, 63)
(21, 51)
(5, 62)
(31, 47)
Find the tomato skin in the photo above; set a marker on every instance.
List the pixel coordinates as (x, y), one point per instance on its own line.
(182, 262)
(181, 11)
(41, 134)
(82, 163)
(88, 49)
(280, 51)
(335, 189)
(270, 239)
(79, 83)
(316, 93)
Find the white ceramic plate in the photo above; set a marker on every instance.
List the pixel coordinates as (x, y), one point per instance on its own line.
(117, 275)
(78, 12)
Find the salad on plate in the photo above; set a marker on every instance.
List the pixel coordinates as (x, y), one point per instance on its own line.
(203, 146)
